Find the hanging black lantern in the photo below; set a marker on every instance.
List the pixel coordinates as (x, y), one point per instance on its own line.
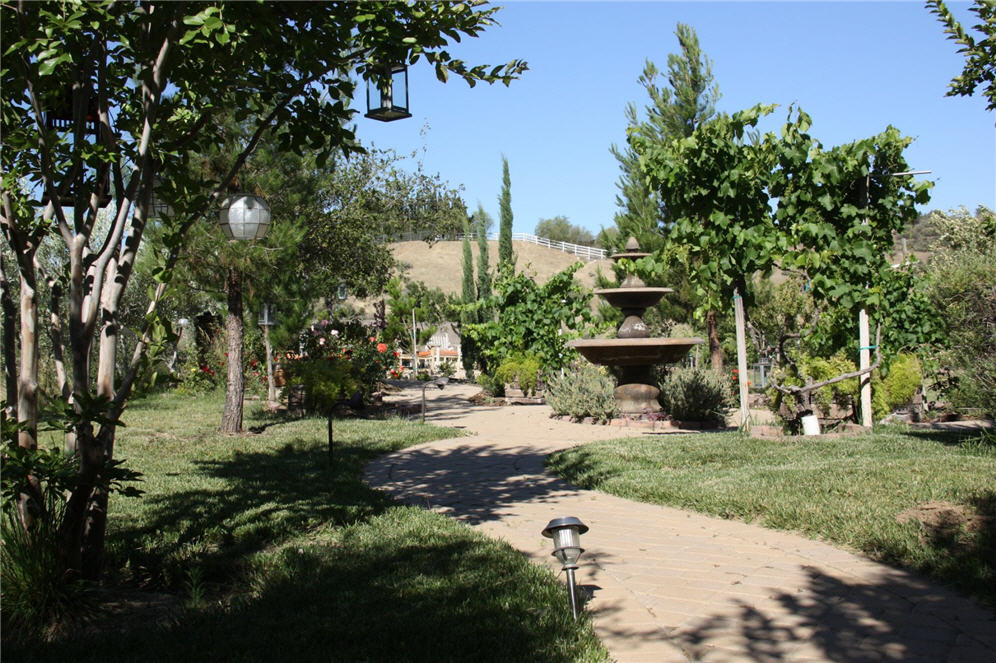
(60, 117)
(387, 94)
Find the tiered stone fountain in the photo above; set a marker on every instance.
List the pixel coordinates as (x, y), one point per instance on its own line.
(632, 355)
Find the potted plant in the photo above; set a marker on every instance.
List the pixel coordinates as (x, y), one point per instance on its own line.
(522, 375)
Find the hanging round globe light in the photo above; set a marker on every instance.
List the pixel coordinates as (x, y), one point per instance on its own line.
(245, 217)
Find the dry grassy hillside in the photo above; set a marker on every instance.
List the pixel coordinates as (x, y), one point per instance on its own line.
(438, 266)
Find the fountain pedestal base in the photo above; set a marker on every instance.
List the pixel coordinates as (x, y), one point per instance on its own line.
(636, 393)
(637, 398)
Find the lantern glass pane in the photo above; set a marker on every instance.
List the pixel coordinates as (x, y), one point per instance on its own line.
(566, 537)
(399, 87)
(245, 217)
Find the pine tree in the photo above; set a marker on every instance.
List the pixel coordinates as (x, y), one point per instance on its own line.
(687, 100)
(676, 108)
(506, 256)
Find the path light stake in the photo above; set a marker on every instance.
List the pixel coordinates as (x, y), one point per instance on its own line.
(439, 383)
(566, 534)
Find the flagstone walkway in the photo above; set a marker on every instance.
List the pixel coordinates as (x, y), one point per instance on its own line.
(670, 585)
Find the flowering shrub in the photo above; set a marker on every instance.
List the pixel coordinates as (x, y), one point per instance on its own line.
(200, 377)
(735, 381)
(337, 363)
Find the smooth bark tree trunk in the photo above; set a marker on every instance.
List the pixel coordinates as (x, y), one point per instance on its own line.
(95, 525)
(9, 333)
(27, 391)
(715, 347)
(231, 419)
(27, 383)
(271, 388)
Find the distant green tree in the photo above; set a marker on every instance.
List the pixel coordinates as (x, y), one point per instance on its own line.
(481, 222)
(559, 229)
(980, 55)
(961, 277)
(431, 306)
(531, 319)
(467, 292)
(506, 255)
(468, 296)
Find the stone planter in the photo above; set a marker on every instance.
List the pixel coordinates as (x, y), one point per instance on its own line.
(516, 396)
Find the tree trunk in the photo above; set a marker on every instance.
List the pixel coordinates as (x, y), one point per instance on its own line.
(271, 387)
(231, 420)
(715, 347)
(95, 525)
(9, 333)
(27, 383)
(27, 391)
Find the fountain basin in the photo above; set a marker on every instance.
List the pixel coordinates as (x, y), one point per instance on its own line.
(640, 298)
(634, 351)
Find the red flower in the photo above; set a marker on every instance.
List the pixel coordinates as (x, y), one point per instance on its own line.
(382, 347)
(373, 338)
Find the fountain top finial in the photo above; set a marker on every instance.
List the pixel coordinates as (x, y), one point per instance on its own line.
(632, 251)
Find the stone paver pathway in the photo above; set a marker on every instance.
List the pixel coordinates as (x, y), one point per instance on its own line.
(670, 585)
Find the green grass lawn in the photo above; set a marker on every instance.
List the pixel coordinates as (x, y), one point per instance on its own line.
(273, 556)
(848, 490)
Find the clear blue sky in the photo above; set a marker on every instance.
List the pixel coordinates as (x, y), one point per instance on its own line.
(855, 67)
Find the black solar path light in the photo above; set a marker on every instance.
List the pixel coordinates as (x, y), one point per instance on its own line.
(566, 534)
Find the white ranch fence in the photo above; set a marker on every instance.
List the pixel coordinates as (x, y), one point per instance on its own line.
(583, 252)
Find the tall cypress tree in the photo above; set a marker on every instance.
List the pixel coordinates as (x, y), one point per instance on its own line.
(483, 274)
(468, 296)
(506, 256)
(468, 293)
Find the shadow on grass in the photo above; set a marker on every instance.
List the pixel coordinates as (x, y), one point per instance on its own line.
(429, 592)
(576, 465)
(954, 438)
(957, 545)
(265, 498)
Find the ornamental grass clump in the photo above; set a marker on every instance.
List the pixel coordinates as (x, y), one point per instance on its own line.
(583, 390)
(695, 394)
